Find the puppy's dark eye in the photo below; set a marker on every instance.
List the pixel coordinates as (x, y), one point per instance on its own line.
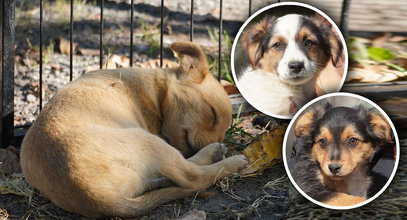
(278, 46)
(353, 142)
(308, 43)
(322, 142)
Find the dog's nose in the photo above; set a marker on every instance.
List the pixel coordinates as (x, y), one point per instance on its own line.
(334, 167)
(296, 66)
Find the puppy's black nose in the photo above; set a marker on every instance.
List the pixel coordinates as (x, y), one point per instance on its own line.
(296, 66)
(334, 167)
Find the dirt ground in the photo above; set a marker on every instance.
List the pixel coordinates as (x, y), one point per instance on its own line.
(264, 196)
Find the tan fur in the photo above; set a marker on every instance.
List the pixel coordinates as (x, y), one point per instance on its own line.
(252, 38)
(303, 124)
(98, 144)
(272, 57)
(350, 158)
(343, 199)
(351, 183)
(380, 126)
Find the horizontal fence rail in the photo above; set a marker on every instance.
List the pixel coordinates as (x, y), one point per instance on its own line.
(11, 134)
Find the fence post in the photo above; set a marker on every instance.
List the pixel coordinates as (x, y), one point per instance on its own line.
(7, 72)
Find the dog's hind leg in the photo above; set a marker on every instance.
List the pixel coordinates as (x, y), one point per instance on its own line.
(208, 155)
(133, 207)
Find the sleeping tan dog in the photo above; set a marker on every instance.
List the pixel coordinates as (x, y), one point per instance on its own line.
(102, 142)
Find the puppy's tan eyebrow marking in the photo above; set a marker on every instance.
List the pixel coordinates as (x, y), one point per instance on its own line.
(350, 131)
(215, 117)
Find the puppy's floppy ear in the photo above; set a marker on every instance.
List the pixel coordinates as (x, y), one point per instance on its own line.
(305, 123)
(379, 126)
(193, 61)
(331, 37)
(253, 39)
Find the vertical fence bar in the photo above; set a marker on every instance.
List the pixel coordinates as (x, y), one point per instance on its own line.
(70, 43)
(40, 70)
(102, 2)
(161, 32)
(220, 41)
(131, 31)
(2, 123)
(191, 24)
(344, 18)
(7, 72)
(250, 8)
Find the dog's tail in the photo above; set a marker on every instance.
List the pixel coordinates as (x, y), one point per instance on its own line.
(133, 207)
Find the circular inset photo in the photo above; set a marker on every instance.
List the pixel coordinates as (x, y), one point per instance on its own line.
(341, 151)
(285, 55)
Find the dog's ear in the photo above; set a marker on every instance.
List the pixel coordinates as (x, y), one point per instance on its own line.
(305, 123)
(253, 39)
(379, 126)
(194, 65)
(331, 37)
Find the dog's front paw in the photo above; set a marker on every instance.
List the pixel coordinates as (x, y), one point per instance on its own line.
(218, 151)
(236, 163)
(210, 154)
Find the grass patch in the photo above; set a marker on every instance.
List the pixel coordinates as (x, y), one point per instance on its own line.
(226, 72)
(150, 34)
(236, 138)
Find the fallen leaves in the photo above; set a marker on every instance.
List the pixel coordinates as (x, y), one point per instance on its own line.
(265, 150)
(64, 46)
(380, 59)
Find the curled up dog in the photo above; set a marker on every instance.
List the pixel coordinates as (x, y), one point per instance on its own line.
(335, 150)
(103, 142)
(286, 55)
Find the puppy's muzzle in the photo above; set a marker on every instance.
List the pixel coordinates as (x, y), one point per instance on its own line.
(296, 67)
(334, 168)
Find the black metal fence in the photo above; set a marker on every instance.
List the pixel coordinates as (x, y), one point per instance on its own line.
(11, 134)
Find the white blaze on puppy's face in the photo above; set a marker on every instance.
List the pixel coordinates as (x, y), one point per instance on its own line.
(294, 67)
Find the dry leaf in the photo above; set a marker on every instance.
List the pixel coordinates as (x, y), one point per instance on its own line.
(398, 39)
(380, 40)
(193, 215)
(117, 61)
(265, 150)
(14, 184)
(373, 74)
(89, 52)
(155, 63)
(206, 194)
(229, 87)
(64, 46)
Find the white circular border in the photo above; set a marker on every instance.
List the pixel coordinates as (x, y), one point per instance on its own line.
(347, 95)
(235, 41)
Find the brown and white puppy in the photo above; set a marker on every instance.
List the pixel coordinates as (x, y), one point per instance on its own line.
(286, 55)
(338, 144)
(102, 142)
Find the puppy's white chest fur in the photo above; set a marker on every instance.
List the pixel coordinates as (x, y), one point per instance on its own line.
(265, 91)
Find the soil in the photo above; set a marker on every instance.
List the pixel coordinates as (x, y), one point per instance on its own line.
(256, 197)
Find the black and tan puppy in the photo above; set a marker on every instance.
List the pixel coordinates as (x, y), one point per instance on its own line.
(333, 152)
(102, 142)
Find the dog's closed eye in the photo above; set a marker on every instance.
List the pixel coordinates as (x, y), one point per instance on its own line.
(215, 117)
